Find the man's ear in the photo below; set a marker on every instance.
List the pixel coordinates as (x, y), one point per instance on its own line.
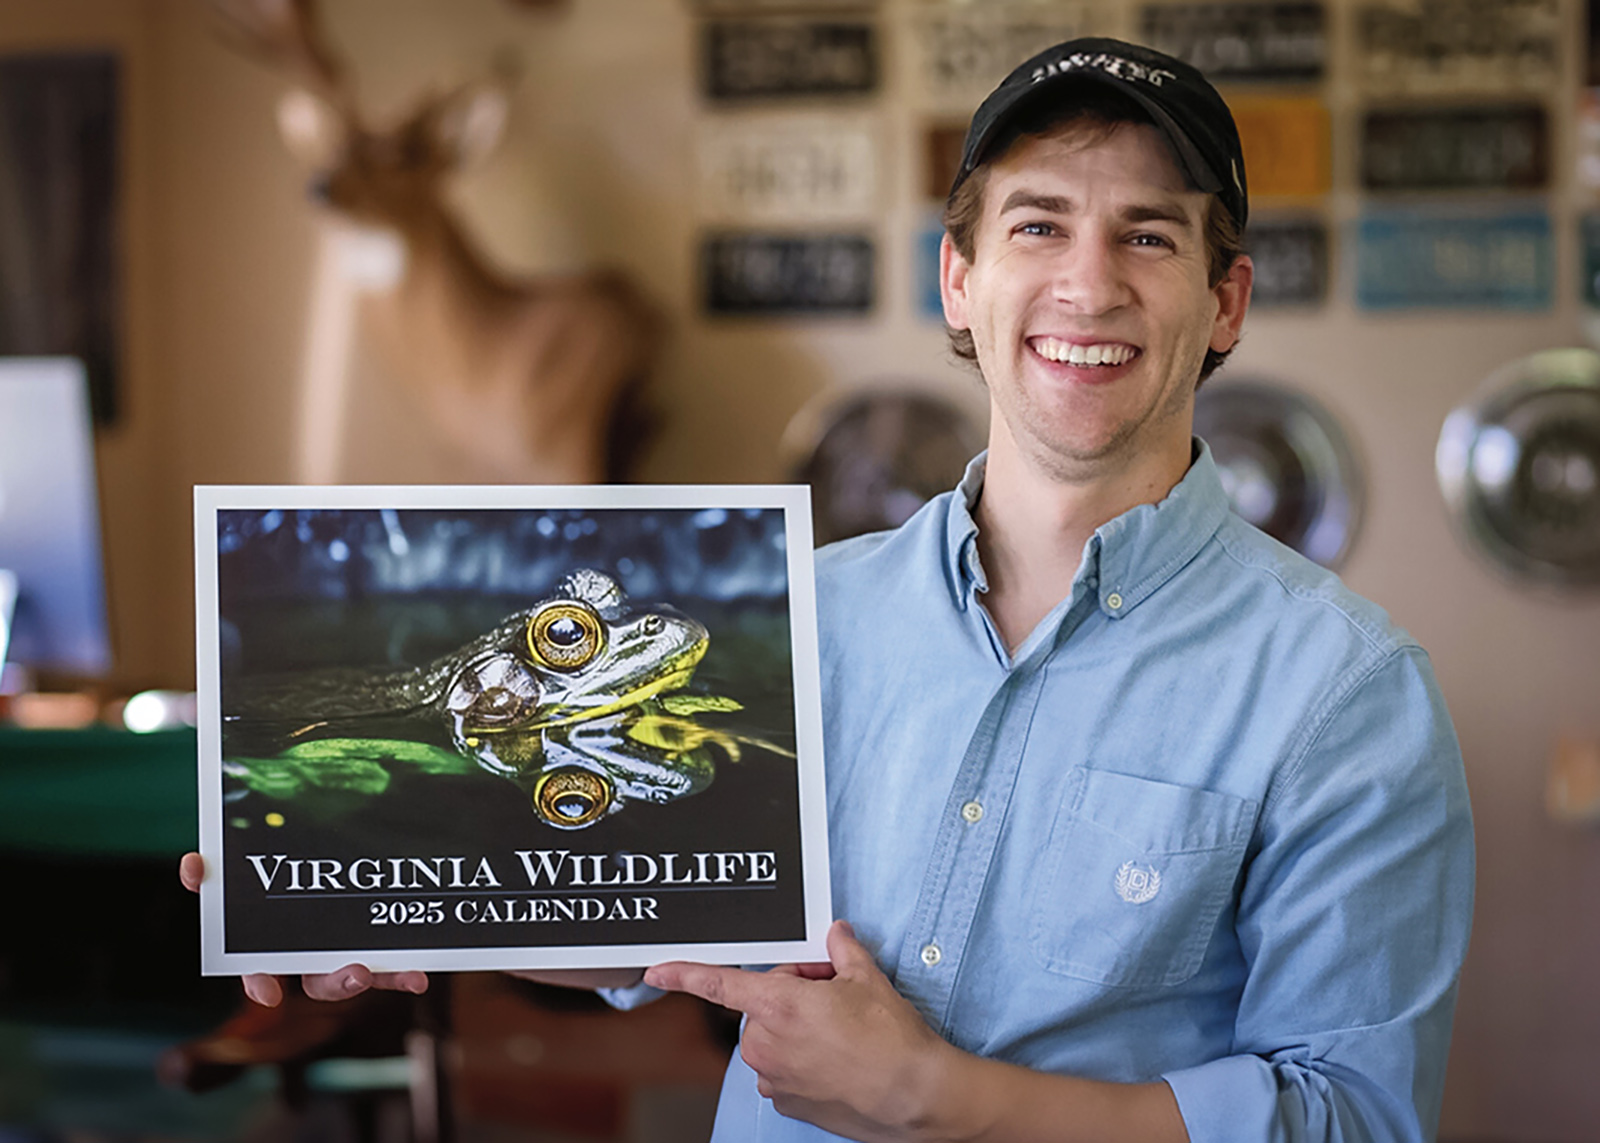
(1233, 299)
(953, 271)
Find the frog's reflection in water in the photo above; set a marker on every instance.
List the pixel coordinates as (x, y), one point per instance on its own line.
(577, 774)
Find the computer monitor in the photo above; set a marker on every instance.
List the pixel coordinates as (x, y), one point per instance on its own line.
(50, 518)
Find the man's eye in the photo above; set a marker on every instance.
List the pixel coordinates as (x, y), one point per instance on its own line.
(1039, 228)
(1155, 240)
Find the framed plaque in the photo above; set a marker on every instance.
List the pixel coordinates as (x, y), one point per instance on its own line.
(1287, 145)
(1502, 147)
(1459, 47)
(787, 169)
(1291, 261)
(1412, 259)
(1242, 42)
(788, 58)
(755, 274)
(472, 728)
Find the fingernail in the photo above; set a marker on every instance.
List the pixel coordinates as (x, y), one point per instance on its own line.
(349, 984)
(652, 978)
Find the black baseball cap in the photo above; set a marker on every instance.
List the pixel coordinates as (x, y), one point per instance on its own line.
(1180, 101)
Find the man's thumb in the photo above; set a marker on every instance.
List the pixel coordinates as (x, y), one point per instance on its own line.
(849, 956)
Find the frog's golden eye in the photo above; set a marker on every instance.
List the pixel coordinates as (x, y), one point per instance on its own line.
(566, 636)
(570, 798)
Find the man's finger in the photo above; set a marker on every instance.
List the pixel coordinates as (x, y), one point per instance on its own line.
(730, 987)
(264, 989)
(808, 971)
(191, 871)
(415, 982)
(849, 956)
(351, 980)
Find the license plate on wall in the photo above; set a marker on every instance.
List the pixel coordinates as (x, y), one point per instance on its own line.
(962, 51)
(787, 169)
(1291, 261)
(778, 58)
(1502, 147)
(1459, 47)
(757, 274)
(1241, 43)
(1286, 141)
(1409, 259)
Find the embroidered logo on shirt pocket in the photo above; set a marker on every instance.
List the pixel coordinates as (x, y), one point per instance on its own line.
(1135, 877)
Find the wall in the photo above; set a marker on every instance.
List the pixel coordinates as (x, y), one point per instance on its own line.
(221, 246)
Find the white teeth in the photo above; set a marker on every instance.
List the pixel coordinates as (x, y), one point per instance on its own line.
(1100, 354)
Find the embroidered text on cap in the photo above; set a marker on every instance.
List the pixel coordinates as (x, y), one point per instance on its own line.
(1103, 61)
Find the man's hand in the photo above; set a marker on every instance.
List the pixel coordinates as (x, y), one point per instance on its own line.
(835, 1044)
(353, 979)
(341, 984)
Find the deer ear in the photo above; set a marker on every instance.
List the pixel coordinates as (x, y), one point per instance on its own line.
(310, 127)
(471, 126)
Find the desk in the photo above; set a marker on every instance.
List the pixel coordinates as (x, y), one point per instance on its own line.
(91, 825)
(98, 792)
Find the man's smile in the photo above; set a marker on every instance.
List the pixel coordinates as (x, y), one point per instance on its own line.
(1098, 355)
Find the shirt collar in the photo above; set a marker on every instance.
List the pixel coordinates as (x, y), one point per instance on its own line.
(961, 535)
(1128, 558)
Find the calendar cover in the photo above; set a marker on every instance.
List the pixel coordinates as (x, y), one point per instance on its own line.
(473, 728)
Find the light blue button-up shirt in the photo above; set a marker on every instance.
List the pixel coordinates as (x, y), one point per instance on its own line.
(1207, 825)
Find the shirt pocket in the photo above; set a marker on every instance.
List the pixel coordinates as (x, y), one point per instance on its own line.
(1134, 879)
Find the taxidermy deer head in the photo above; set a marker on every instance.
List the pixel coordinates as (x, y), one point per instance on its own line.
(524, 377)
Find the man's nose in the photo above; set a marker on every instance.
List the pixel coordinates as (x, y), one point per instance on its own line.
(1090, 276)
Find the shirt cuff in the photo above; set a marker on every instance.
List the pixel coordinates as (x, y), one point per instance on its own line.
(627, 999)
(1227, 1100)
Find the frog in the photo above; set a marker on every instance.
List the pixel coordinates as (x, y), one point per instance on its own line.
(579, 654)
(580, 700)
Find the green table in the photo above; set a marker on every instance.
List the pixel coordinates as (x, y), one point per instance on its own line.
(98, 792)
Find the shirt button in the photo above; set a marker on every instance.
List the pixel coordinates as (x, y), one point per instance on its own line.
(972, 812)
(1114, 601)
(931, 955)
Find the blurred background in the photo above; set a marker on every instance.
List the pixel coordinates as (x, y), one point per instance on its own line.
(693, 241)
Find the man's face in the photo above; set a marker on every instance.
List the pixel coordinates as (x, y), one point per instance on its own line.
(1088, 301)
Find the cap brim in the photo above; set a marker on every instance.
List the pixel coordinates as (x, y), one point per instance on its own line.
(1188, 155)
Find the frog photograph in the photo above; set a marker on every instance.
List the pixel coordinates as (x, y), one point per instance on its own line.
(506, 727)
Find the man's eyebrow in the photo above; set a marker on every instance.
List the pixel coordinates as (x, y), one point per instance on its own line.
(1060, 204)
(1157, 212)
(1031, 200)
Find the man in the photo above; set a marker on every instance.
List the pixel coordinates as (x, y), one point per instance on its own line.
(1148, 829)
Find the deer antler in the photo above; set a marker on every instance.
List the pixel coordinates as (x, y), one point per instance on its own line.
(287, 34)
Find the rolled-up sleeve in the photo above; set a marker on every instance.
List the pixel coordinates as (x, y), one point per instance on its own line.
(1354, 913)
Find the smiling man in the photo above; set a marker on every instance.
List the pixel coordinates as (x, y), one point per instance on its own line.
(1147, 827)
